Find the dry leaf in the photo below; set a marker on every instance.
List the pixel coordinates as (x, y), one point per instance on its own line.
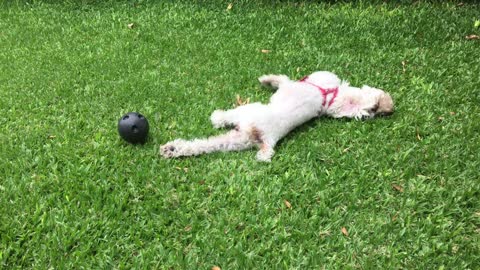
(418, 135)
(241, 102)
(344, 231)
(397, 187)
(216, 268)
(441, 118)
(287, 204)
(52, 136)
(188, 228)
(324, 233)
(346, 150)
(130, 25)
(471, 37)
(452, 113)
(230, 6)
(182, 169)
(404, 65)
(266, 51)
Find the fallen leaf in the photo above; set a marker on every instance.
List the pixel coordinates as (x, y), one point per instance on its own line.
(130, 25)
(344, 231)
(230, 6)
(241, 102)
(397, 187)
(460, 4)
(266, 51)
(298, 69)
(216, 268)
(441, 118)
(395, 217)
(452, 113)
(52, 136)
(182, 169)
(404, 65)
(418, 135)
(346, 150)
(471, 37)
(188, 228)
(287, 204)
(324, 233)
(240, 226)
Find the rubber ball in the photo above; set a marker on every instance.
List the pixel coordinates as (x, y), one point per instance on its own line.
(133, 128)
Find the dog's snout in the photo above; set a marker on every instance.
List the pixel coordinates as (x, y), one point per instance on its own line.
(386, 113)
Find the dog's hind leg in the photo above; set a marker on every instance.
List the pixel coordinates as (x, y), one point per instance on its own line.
(233, 117)
(273, 81)
(233, 140)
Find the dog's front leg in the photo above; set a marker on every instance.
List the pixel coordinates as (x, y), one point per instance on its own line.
(231, 141)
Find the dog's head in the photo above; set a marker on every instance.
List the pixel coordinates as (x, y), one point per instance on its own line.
(379, 102)
(364, 103)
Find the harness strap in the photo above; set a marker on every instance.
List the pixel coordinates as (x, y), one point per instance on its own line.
(325, 91)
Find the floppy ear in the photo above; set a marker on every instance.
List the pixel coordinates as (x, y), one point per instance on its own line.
(385, 104)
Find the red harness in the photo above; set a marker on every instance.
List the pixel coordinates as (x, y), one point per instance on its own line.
(324, 91)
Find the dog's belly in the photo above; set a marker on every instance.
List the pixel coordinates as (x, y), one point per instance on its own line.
(278, 122)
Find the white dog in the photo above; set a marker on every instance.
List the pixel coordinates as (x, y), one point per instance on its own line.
(294, 103)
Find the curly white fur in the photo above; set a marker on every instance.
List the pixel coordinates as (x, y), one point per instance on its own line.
(293, 104)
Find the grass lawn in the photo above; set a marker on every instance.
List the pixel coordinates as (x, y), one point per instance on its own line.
(397, 192)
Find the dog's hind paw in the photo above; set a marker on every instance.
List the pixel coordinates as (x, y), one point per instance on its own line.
(265, 80)
(265, 154)
(273, 81)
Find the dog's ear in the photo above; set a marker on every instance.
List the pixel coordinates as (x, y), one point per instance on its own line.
(384, 105)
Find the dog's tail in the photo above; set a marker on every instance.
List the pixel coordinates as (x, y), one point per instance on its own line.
(273, 80)
(234, 140)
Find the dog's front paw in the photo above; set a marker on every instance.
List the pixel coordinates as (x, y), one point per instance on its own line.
(217, 118)
(167, 150)
(170, 149)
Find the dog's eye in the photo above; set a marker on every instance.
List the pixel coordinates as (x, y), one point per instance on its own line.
(374, 108)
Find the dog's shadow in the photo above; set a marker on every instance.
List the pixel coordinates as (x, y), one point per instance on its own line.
(325, 122)
(313, 124)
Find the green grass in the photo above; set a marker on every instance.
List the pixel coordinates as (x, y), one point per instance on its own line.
(73, 195)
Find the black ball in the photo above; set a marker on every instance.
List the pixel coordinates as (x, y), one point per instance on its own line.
(133, 127)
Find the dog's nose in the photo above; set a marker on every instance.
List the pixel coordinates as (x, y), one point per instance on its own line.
(386, 113)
